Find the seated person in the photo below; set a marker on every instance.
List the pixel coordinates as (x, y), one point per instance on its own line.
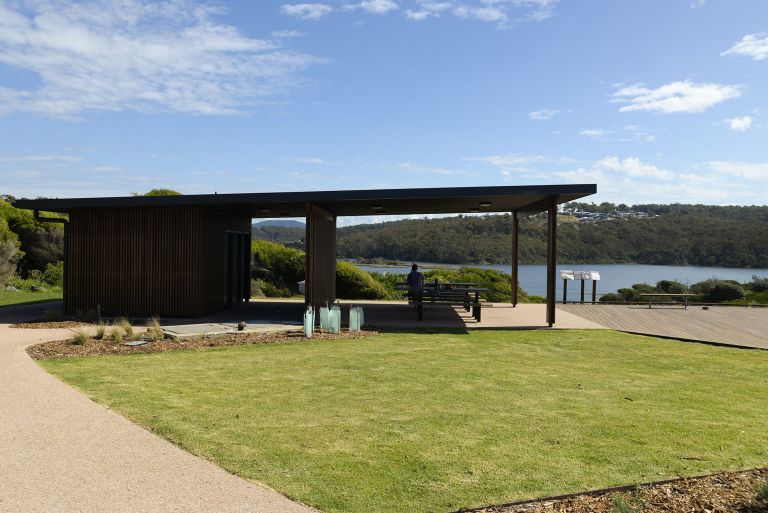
(415, 278)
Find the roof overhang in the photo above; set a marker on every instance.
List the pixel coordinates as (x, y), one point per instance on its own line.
(443, 200)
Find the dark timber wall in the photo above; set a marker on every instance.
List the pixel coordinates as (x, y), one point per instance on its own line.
(167, 261)
(321, 257)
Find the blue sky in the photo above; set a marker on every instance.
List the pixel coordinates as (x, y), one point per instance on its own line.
(653, 100)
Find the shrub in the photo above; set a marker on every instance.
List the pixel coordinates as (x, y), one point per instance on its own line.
(53, 274)
(271, 290)
(154, 330)
(286, 264)
(125, 324)
(629, 295)
(101, 330)
(759, 284)
(611, 298)
(117, 334)
(354, 283)
(671, 287)
(9, 259)
(725, 291)
(80, 337)
(643, 288)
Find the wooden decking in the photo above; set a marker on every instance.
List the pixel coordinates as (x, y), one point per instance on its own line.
(736, 326)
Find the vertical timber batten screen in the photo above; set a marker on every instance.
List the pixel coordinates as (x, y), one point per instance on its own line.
(166, 261)
(320, 278)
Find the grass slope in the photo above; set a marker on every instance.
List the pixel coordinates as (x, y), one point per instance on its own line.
(434, 422)
(19, 298)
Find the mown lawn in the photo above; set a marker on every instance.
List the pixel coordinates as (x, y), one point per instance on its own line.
(18, 298)
(435, 422)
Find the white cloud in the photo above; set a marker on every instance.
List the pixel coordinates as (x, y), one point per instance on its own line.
(40, 158)
(541, 9)
(753, 45)
(543, 114)
(378, 6)
(315, 161)
(741, 124)
(489, 14)
(695, 4)
(746, 170)
(166, 56)
(307, 11)
(500, 12)
(595, 133)
(633, 167)
(411, 168)
(682, 96)
(287, 34)
(417, 15)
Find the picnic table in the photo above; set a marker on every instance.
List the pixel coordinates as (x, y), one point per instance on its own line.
(445, 293)
(651, 295)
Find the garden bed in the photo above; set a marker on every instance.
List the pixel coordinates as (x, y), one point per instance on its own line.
(49, 325)
(93, 347)
(727, 492)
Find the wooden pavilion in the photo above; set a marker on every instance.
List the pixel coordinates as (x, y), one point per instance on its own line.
(186, 256)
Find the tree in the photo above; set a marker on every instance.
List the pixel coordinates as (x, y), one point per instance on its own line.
(9, 252)
(162, 192)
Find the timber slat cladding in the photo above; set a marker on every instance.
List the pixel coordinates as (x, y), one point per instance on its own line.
(149, 261)
(320, 257)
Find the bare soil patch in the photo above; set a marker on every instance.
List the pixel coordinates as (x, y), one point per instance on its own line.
(728, 492)
(46, 325)
(93, 347)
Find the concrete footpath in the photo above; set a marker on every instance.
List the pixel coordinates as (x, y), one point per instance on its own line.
(61, 452)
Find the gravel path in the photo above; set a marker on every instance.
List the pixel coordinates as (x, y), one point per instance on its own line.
(61, 452)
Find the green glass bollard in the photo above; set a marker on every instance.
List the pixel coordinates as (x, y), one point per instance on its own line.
(309, 322)
(325, 319)
(334, 319)
(355, 318)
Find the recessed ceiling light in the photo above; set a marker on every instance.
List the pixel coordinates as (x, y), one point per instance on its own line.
(485, 203)
(376, 207)
(474, 210)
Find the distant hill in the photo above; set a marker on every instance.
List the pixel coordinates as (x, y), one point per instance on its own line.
(285, 223)
(698, 235)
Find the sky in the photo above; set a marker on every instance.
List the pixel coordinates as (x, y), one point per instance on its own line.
(655, 101)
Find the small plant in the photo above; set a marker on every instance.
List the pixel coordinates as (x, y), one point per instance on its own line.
(125, 324)
(80, 337)
(154, 330)
(117, 333)
(101, 330)
(761, 495)
(627, 504)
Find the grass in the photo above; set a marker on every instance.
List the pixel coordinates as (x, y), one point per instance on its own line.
(18, 298)
(434, 422)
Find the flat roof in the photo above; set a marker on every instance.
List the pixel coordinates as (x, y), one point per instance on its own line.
(438, 200)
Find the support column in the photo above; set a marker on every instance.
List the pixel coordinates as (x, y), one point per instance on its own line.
(320, 272)
(515, 257)
(551, 260)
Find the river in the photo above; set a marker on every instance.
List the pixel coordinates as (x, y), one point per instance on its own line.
(612, 276)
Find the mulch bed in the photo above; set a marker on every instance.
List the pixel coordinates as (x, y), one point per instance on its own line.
(92, 347)
(728, 492)
(47, 325)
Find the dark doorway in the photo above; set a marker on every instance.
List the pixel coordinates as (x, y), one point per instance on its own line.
(238, 267)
